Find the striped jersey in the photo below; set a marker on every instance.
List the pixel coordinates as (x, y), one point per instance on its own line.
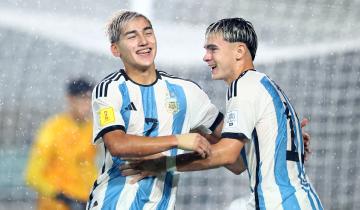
(168, 106)
(258, 110)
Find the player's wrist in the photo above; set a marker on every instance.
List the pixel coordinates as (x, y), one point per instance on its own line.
(185, 141)
(171, 163)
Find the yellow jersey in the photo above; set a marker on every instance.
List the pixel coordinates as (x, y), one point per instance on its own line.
(62, 159)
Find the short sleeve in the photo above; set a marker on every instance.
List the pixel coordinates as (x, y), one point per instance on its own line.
(240, 118)
(202, 111)
(106, 113)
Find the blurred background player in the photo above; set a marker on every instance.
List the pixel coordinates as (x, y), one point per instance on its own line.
(61, 165)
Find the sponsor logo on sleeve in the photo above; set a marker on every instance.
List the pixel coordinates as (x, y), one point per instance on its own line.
(107, 116)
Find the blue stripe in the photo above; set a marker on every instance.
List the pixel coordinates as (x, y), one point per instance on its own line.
(243, 155)
(177, 92)
(259, 195)
(317, 199)
(116, 181)
(300, 165)
(280, 168)
(125, 102)
(150, 111)
(115, 186)
(261, 199)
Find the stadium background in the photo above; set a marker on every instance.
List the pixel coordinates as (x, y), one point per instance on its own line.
(311, 48)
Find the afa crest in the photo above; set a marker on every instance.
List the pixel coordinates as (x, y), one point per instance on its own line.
(172, 105)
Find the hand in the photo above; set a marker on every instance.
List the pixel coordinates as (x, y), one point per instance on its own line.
(138, 175)
(140, 169)
(194, 142)
(73, 204)
(306, 139)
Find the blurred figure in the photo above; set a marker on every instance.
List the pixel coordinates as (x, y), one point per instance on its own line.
(62, 165)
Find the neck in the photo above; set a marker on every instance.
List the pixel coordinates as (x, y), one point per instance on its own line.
(142, 76)
(239, 70)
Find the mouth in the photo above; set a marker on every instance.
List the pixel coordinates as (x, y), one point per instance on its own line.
(145, 51)
(213, 67)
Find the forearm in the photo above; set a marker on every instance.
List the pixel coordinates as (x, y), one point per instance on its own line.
(238, 167)
(125, 145)
(223, 153)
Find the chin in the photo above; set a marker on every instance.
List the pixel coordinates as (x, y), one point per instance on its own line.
(216, 77)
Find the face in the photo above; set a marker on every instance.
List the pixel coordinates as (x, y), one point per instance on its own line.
(220, 56)
(137, 45)
(80, 106)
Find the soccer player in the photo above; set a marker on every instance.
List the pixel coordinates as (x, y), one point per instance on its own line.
(260, 125)
(62, 166)
(140, 111)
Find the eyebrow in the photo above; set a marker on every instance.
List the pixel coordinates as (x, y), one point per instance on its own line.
(134, 31)
(210, 46)
(147, 28)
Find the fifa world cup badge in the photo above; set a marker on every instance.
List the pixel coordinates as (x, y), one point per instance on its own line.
(232, 118)
(172, 105)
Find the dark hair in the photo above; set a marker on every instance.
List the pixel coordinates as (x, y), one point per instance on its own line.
(79, 87)
(235, 30)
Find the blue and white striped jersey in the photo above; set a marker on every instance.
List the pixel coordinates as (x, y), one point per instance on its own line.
(259, 111)
(168, 106)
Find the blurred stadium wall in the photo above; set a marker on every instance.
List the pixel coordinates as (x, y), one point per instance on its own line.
(311, 48)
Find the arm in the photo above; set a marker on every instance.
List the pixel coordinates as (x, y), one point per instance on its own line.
(238, 166)
(39, 158)
(125, 145)
(224, 153)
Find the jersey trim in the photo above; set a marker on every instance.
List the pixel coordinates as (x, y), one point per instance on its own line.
(217, 121)
(108, 129)
(232, 90)
(238, 136)
(259, 198)
(128, 78)
(102, 87)
(162, 73)
(294, 156)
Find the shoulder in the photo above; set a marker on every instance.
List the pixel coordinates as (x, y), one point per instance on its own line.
(54, 122)
(248, 85)
(102, 88)
(178, 80)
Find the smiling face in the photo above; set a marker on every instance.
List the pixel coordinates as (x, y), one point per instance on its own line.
(221, 57)
(137, 45)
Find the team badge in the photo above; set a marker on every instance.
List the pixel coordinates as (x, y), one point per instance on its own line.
(172, 105)
(107, 116)
(232, 118)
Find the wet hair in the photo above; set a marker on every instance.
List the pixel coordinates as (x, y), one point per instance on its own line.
(79, 87)
(117, 22)
(235, 30)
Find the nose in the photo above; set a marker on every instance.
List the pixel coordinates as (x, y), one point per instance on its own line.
(142, 40)
(207, 57)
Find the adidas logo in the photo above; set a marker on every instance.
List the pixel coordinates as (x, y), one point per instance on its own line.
(95, 204)
(131, 106)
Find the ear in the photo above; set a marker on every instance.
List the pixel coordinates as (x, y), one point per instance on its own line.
(115, 50)
(240, 50)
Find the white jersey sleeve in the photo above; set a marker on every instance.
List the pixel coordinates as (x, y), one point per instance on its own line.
(202, 111)
(106, 112)
(243, 110)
